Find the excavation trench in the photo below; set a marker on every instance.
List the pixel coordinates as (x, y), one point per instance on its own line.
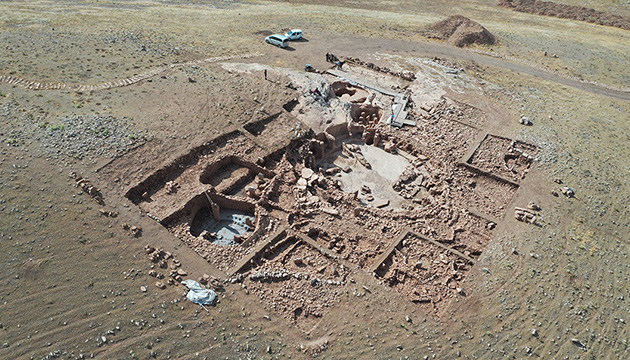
(288, 211)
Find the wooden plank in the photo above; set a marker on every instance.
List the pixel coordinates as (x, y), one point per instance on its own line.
(400, 114)
(451, 250)
(479, 139)
(385, 255)
(244, 262)
(388, 252)
(482, 215)
(488, 174)
(316, 245)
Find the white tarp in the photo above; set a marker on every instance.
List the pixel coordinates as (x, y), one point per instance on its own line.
(198, 294)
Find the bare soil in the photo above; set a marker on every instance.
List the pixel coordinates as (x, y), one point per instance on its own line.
(94, 270)
(461, 31)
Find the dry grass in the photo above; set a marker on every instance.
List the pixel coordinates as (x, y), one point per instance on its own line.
(571, 290)
(211, 32)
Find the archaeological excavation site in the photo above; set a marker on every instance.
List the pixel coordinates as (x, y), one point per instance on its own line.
(348, 177)
(236, 179)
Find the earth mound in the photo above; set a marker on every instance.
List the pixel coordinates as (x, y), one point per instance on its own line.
(461, 31)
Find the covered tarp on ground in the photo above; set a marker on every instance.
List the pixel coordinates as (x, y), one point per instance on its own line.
(198, 294)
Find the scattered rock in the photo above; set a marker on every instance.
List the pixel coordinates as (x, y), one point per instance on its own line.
(171, 187)
(88, 188)
(567, 191)
(533, 206)
(307, 173)
(330, 211)
(525, 215)
(108, 213)
(136, 231)
(578, 343)
(524, 120)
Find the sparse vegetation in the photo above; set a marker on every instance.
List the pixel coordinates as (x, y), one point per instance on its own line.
(571, 290)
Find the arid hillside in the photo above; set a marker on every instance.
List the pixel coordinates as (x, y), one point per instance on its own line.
(369, 191)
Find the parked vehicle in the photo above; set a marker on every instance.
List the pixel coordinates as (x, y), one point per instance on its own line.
(278, 40)
(294, 34)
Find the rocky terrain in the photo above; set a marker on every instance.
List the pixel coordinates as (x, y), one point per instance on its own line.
(505, 231)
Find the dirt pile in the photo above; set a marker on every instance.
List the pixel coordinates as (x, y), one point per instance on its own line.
(461, 31)
(567, 12)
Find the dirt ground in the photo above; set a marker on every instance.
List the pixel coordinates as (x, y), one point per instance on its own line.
(198, 112)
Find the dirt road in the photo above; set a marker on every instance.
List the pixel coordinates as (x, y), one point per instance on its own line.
(355, 46)
(358, 45)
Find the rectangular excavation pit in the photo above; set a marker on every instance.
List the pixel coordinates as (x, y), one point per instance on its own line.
(157, 181)
(503, 158)
(458, 230)
(439, 136)
(426, 272)
(465, 114)
(228, 235)
(356, 247)
(212, 172)
(230, 173)
(295, 279)
(483, 193)
(226, 176)
(471, 234)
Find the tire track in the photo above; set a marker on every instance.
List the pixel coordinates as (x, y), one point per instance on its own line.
(364, 45)
(543, 68)
(36, 85)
